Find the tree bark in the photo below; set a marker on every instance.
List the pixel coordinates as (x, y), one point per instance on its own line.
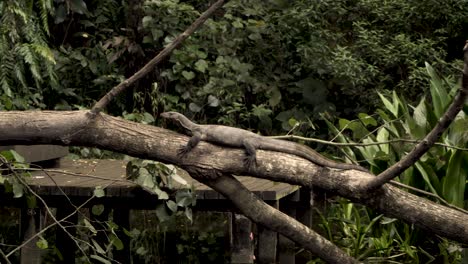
(210, 164)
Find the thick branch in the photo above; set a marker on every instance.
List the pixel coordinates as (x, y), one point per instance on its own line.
(139, 140)
(106, 99)
(261, 213)
(419, 150)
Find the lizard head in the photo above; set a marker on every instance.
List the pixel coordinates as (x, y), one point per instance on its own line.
(179, 118)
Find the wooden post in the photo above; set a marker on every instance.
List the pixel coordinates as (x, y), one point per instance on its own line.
(64, 242)
(31, 223)
(305, 216)
(242, 251)
(286, 247)
(267, 242)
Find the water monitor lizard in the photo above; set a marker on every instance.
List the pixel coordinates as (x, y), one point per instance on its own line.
(236, 137)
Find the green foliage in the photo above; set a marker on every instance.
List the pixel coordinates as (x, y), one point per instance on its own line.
(373, 238)
(167, 183)
(441, 171)
(11, 179)
(87, 50)
(26, 61)
(299, 58)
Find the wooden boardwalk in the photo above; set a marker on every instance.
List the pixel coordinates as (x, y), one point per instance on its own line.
(77, 179)
(80, 177)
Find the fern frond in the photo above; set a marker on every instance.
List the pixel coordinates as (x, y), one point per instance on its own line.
(45, 8)
(27, 54)
(44, 52)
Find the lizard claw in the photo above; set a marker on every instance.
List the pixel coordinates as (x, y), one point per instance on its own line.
(250, 161)
(183, 151)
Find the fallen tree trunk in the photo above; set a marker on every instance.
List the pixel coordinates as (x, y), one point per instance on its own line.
(207, 161)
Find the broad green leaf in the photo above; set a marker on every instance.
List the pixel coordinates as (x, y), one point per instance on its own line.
(42, 243)
(89, 226)
(189, 75)
(237, 24)
(194, 107)
(78, 6)
(12, 155)
(201, 65)
(18, 190)
(176, 177)
(275, 97)
(101, 259)
(391, 107)
(383, 135)
(31, 201)
(162, 195)
(146, 21)
(60, 14)
(97, 247)
(458, 131)
(171, 205)
(116, 242)
(99, 192)
(439, 96)
(420, 119)
(185, 197)
(97, 209)
(141, 251)
(369, 152)
(213, 101)
(426, 172)
(367, 119)
(161, 213)
(341, 138)
(454, 183)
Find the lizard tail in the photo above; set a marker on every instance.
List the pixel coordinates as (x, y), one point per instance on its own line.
(306, 153)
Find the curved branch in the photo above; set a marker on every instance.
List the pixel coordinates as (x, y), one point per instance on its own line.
(261, 213)
(419, 150)
(106, 99)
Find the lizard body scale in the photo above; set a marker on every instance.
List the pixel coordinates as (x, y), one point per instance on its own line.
(240, 138)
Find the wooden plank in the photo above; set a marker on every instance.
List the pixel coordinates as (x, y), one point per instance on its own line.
(90, 173)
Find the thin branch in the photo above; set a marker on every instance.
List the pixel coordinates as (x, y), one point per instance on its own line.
(49, 211)
(106, 99)
(419, 150)
(402, 185)
(4, 257)
(55, 221)
(325, 142)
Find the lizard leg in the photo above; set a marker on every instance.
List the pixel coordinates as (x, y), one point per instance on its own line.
(250, 149)
(193, 142)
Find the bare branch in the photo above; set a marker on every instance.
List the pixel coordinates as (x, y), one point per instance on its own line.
(419, 150)
(106, 99)
(261, 213)
(339, 144)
